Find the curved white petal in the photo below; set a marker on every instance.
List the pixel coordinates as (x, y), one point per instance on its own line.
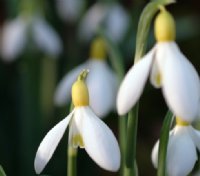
(133, 84)
(181, 86)
(100, 143)
(13, 38)
(91, 21)
(117, 22)
(182, 155)
(102, 84)
(49, 144)
(195, 134)
(46, 37)
(154, 154)
(63, 90)
(70, 10)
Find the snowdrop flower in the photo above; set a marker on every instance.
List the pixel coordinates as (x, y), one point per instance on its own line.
(15, 37)
(102, 82)
(86, 130)
(70, 10)
(183, 143)
(169, 69)
(113, 16)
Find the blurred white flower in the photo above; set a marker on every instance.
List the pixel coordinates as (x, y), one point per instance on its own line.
(183, 143)
(86, 130)
(70, 10)
(15, 35)
(112, 15)
(102, 84)
(168, 69)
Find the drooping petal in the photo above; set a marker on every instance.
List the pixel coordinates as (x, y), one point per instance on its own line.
(91, 21)
(63, 90)
(46, 37)
(70, 10)
(181, 86)
(155, 150)
(13, 38)
(154, 154)
(182, 155)
(49, 144)
(133, 84)
(195, 134)
(117, 22)
(102, 84)
(99, 141)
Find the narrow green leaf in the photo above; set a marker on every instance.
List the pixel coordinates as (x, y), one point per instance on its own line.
(132, 136)
(144, 25)
(2, 173)
(163, 144)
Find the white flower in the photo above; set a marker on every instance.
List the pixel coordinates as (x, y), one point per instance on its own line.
(113, 16)
(70, 10)
(168, 69)
(102, 84)
(15, 37)
(85, 130)
(181, 150)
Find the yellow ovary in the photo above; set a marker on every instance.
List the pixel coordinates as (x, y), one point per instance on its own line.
(164, 27)
(98, 49)
(80, 95)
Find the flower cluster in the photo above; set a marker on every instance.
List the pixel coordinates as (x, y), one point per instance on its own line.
(170, 70)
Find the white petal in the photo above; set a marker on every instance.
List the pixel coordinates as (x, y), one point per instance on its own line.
(117, 22)
(45, 37)
(182, 155)
(63, 90)
(100, 143)
(70, 10)
(180, 80)
(133, 84)
(49, 144)
(13, 38)
(154, 154)
(195, 134)
(92, 20)
(155, 150)
(102, 84)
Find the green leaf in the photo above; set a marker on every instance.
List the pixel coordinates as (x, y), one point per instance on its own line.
(144, 25)
(162, 153)
(2, 173)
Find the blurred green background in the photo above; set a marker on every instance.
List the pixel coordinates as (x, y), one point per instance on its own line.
(27, 85)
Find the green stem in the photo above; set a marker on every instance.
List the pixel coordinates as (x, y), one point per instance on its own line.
(163, 144)
(47, 88)
(131, 141)
(71, 161)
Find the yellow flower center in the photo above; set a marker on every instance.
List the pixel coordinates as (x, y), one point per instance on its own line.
(98, 49)
(164, 27)
(80, 95)
(181, 122)
(77, 140)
